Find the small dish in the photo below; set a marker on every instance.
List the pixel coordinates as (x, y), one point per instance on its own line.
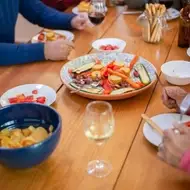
(68, 35)
(177, 72)
(76, 11)
(27, 89)
(172, 14)
(164, 121)
(121, 44)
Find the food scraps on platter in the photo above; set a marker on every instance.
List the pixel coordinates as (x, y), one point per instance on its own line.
(18, 138)
(49, 35)
(112, 79)
(21, 98)
(83, 6)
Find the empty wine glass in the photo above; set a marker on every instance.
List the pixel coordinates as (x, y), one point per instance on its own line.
(99, 127)
(96, 12)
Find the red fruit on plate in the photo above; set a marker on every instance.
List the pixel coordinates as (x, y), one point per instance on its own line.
(41, 37)
(136, 74)
(41, 99)
(13, 100)
(35, 92)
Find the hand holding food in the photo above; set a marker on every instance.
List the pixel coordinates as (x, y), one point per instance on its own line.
(153, 28)
(80, 22)
(58, 50)
(176, 142)
(173, 96)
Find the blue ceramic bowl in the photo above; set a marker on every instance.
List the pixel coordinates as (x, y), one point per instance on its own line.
(22, 116)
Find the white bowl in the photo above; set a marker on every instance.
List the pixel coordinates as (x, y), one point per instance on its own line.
(177, 72)
(109, 41)
(188, 52)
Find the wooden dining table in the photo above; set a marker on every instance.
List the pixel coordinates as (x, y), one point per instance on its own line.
(135, 162)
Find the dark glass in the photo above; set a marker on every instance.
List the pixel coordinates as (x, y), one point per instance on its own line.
(184, 27)
(167, 3)
(96, 18)
(96, 12)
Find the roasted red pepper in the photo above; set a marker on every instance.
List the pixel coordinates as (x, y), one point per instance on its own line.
(107, 87)
(115, 68)
(111, 65)
(104, 72)
(34, 91)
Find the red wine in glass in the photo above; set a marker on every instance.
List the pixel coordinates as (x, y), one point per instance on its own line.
(167, 3)
(96, 17)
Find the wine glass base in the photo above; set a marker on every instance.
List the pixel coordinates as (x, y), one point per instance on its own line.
(99, 168)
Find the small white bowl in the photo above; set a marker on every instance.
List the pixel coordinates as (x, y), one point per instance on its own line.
(188, 51)
(177, 72)
(109, 41)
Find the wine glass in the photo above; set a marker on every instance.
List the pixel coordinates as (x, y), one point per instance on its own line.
(96, 12)
(99, 127)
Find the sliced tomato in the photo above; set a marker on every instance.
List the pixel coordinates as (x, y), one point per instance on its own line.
(41, 99)
(34, 91)
(187, 123)
(107, 86)
(13, 100)
(41, 37)
(29, 99)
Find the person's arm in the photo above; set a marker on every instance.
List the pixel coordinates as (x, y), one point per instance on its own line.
(11, 54)
(185, 162)
(38, 13)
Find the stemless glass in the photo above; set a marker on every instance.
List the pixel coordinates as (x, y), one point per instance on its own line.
(99, 127)
(96, 12)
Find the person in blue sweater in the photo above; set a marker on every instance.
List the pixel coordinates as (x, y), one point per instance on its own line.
(37, 13)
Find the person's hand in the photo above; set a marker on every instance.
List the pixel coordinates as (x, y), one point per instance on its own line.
(173, 96)
(80, 22)
(175, 143)
(57, 50)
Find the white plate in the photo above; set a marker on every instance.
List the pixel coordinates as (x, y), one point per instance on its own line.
(164, 121)
(188, 52)
(172, 14)
(27, 89)
(106, 41)
(76, 11)
(69, 35)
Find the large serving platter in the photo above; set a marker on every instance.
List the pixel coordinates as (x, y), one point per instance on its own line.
(106, 59)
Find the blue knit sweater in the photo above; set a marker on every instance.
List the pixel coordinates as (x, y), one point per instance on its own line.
(37, 13)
